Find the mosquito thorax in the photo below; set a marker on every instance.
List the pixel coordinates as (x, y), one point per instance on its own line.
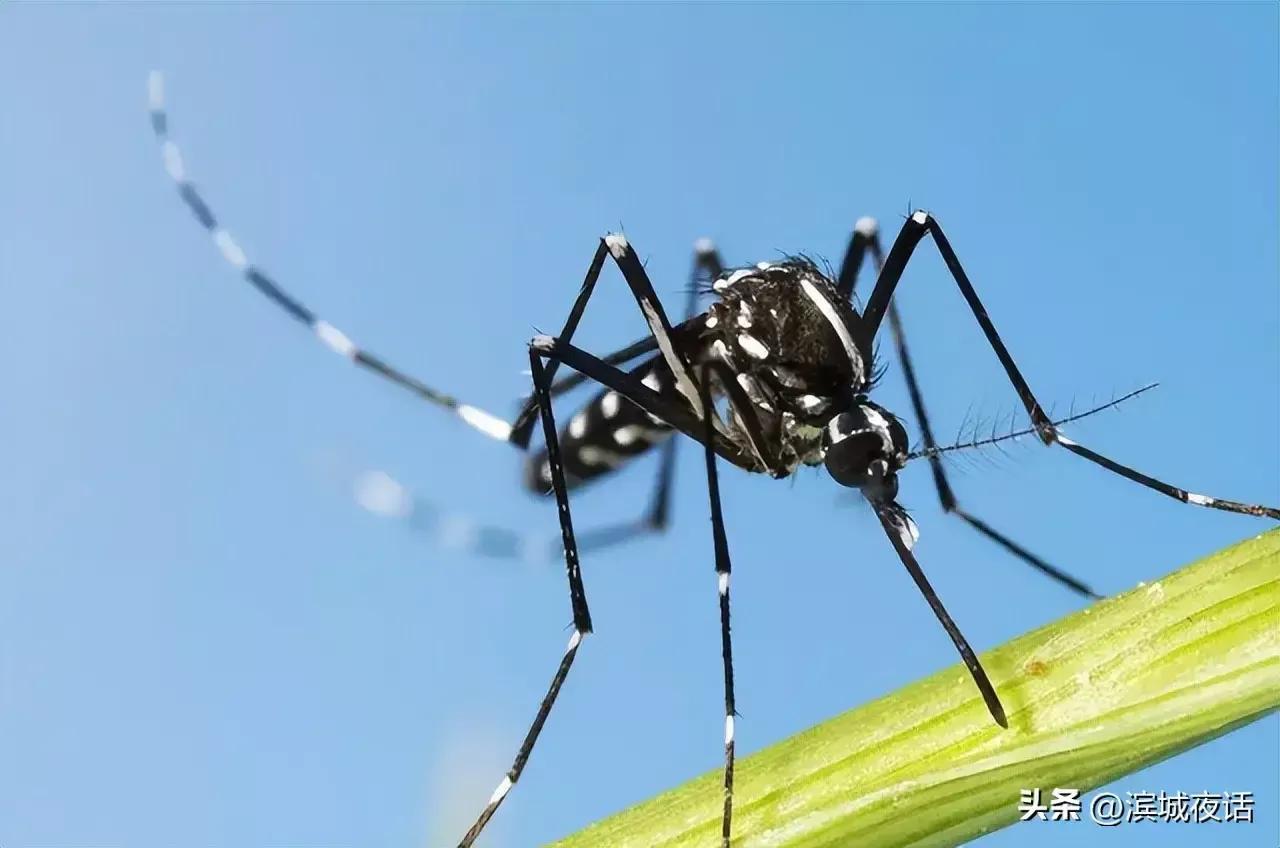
(794, 345)
(865, 447)
(788, 316)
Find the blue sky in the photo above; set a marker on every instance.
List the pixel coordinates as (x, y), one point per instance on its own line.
(203, 639)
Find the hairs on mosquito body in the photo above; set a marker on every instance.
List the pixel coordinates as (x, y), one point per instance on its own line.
(818, 265)
(879, 367)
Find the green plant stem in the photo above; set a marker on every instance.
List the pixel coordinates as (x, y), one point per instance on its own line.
(1103, 692)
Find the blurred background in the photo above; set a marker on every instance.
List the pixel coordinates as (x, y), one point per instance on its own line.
(205, 639)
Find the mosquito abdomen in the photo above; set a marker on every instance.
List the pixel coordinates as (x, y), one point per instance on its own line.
(604, 435)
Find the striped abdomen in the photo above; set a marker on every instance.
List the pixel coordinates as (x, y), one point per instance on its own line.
(604, 434)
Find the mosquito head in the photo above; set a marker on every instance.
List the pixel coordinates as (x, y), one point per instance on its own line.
(865, 448)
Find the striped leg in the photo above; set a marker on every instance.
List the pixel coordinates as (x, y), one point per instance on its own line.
(706, 267)
(679, 404)
(710, 433)
(608, 432)
(913, 232)
(723, 567)
(865, 236)
(577, 598)
(328, 335)
(675, 412)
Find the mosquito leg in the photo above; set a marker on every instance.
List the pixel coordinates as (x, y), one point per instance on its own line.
(607, 427)
(631, 389)
(624, 256)
(897, 525)
(609, 431)
(866, 238)
(706, 267)
(657, 515)
(865, 235)
(712, 437)
(723, 567)
(946, 496)
(913, 231)
(326, 333)
(571, 382)
(577, 599)
(659, 405)
(522, 428)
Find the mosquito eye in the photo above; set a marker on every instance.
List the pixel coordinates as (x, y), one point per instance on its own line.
(849, 460)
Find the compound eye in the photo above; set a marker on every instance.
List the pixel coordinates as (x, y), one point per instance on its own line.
(849, 460)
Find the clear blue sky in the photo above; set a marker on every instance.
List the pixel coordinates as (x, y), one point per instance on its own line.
(204, 641)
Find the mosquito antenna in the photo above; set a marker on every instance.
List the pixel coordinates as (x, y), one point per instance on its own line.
(1027, 431)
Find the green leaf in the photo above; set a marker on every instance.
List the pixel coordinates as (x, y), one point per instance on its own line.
(1103, 692)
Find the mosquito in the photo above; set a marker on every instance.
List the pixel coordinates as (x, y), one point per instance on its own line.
(774, 375)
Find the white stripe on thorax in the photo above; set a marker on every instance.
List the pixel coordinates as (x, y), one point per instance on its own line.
(829, 312)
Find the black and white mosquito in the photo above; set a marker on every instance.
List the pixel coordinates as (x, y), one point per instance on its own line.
(774, 375)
